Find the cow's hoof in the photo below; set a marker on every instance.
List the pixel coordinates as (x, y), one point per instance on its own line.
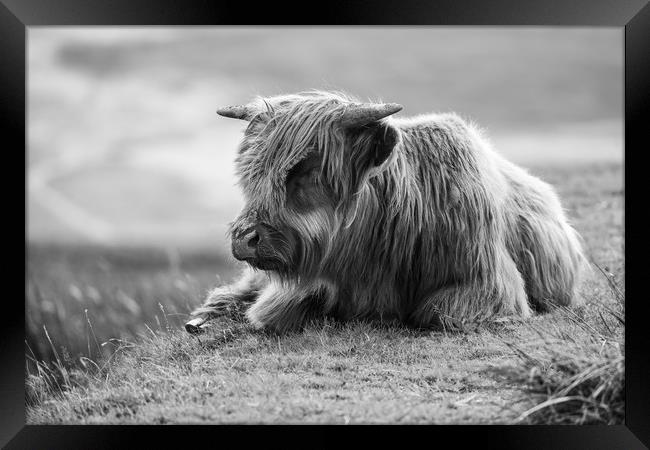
(196, 326)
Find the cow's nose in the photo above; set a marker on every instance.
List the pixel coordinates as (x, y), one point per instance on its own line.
(245, 246)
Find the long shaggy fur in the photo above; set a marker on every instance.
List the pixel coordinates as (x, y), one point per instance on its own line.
(415, 219)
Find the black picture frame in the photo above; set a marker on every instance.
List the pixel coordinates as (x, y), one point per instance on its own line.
(632, 15)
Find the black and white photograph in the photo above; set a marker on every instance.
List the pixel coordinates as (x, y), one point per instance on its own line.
(325, 225)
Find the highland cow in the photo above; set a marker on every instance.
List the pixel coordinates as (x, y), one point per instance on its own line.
(353, 213)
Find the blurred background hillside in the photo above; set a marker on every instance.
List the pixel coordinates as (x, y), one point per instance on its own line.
(125, 148)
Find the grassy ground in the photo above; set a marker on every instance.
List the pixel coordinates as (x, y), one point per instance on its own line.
(105, 345)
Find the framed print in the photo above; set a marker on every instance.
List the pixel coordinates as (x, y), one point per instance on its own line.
(377, 214)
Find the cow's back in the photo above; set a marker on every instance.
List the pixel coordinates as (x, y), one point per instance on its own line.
(547, 250)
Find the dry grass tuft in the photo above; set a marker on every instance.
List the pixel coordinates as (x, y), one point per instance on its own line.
(579, 373)
(579, 392)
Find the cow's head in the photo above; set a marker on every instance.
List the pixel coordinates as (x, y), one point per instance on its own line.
(301, 161)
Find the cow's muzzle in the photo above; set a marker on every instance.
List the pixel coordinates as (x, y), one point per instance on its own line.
(244, 245)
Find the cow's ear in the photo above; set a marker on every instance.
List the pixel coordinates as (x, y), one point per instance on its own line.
(372, 144)
(382, 144)
(373, 136)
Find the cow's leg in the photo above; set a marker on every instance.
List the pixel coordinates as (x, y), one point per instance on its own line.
(500, 292)
(281, 307)
(229, 300)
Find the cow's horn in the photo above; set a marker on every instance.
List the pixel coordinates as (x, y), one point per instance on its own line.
(242, 112)
(361, 114)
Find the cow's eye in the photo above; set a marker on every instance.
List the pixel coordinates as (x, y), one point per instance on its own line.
(306, 171)
(303, 183)
(314, 175)
(303, 179)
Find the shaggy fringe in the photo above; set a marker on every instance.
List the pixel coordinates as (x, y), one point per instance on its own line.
(577, 377)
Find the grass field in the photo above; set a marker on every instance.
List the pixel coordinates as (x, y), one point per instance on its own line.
(105, 344)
